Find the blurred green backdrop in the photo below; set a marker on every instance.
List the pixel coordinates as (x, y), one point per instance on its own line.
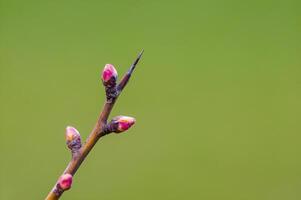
(216, 96)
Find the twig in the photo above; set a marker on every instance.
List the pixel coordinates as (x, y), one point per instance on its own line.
(102, 128)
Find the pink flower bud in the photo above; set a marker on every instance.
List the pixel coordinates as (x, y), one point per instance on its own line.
(123, 123)
(65, 181)
(109, 75)
(73, 138)
(71, 133)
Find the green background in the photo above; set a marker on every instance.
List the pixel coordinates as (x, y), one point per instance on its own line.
(217, 98)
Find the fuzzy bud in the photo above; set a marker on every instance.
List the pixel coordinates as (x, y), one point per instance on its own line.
(73, 138)
(109, 75)
(65, 181)
(122, 123)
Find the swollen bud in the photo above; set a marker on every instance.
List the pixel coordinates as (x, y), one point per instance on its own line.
(73, 138)
(109, 75)
(65, 181)
(122, 123)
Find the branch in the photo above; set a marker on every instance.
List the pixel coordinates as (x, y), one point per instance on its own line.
(102, 128)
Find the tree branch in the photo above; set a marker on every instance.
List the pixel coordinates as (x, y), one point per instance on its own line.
(101, 128)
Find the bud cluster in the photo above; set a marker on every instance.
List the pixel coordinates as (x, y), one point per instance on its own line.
(117, 124)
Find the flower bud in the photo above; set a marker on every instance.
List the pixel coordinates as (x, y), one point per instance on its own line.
(73, 138)
(65, 181)
(109, 75)
(123, 123)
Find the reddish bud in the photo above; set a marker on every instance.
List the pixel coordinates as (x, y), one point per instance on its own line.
(73, 138)
(65, 181)
(109, 75)
(123, 123)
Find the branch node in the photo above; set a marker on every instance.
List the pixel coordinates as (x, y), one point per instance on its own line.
(111, 93)
(64, 183)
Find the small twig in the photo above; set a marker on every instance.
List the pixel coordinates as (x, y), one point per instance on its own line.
(117, 125)
(127, 76)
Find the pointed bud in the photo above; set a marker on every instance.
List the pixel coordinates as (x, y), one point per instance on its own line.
(65, 181)
(109, 75)
(123, 123)
(73, 138)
